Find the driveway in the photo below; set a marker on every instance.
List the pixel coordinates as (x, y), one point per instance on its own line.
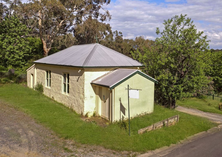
(21, 136)
(217, 118)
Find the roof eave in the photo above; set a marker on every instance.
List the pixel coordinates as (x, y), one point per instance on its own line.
(89, 66)
(131, 75)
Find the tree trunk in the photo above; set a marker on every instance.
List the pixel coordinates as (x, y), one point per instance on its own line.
(46, 50)
(173, 103)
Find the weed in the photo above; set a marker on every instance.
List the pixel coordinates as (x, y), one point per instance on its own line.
(123, 124)
(39, 87)
(67, 150)
(87, 114)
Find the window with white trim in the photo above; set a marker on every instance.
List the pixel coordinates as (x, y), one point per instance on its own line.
(66, 83)
(48, 78)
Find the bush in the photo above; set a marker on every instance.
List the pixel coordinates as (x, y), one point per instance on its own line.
(39, 87)
(201, 96)
(220, 106)
(123, 124)
(4, 80)
(21, 78)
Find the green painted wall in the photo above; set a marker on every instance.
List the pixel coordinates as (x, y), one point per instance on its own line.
(144, 104)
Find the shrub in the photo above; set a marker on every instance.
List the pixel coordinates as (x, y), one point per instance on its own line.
(123, 124)
(39, 87)
(201, 96)
(21, 78)
(220, 106)
(4, 80)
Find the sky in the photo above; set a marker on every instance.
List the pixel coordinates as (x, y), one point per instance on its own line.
(141, 17)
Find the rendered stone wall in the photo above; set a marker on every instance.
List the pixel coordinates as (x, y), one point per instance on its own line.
(30, 71)
(145, 103)
(91, 99)
(167, 122)
(75, 98)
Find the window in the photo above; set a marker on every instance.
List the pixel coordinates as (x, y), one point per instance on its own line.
(48, 78)
(32, 81)
(66, 83)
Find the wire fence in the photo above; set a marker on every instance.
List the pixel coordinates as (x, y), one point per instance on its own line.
(215, 97)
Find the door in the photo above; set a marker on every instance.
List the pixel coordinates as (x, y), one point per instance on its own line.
(104, 96)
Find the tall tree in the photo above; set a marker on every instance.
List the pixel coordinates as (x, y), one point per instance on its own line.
(51, 18)
(178, 60)
(216, 70)
(92, 31)
(14, 46)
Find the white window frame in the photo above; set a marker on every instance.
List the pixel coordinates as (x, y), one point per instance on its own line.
(48, 78)
(65, 83)
(32, 81)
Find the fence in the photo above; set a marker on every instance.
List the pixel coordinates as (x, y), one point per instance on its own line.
(214, 97)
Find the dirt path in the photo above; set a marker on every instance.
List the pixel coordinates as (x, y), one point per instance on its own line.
(211, 116)
(21, 136)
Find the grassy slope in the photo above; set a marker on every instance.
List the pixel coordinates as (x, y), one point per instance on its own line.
(67, 124)
(206, 105)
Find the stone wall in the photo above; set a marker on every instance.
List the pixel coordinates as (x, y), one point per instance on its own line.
(167, 122)
(75, 98)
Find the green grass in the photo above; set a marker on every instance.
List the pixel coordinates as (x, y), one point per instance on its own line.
(206, 105)
(68, 124)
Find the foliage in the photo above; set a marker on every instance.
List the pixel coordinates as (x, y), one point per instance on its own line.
(124, 124)
(39, 87)
(68, 124)
(4, 80)
(62, 42)
(92, 31)
(14, 46)
(116, 42)
(52, 18)
(216, 70)
(178, 60)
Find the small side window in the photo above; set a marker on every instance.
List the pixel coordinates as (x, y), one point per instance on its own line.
(32, 81)
(48, 78)
(66, 83)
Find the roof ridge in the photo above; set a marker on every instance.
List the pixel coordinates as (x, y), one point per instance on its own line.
(90, 55)
(102, 47)
(120, 53)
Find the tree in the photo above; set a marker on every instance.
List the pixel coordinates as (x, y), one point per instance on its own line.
(14, 46)
(178, 60)
(52, 18)
(91, 31)
(216, 71)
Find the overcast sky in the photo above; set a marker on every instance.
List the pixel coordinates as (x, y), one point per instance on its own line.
(141, 17)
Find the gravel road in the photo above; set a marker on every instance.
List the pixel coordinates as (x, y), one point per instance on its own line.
(21, 136)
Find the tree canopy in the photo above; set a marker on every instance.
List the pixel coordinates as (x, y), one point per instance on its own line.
(51, 18)
(178, 60)
(216, 70)
(14, 46)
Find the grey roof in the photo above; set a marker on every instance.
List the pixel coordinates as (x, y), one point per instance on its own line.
(114, 78)
(89, 55)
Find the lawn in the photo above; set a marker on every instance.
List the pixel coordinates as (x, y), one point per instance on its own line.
(67, 124)
(206, 104)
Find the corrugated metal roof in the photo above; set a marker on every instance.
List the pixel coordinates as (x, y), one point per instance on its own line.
(89, 55)
(113, 78)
